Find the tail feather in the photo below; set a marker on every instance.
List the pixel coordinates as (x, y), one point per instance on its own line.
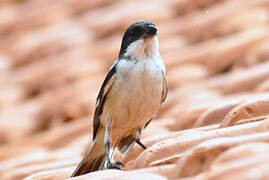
(94, 159)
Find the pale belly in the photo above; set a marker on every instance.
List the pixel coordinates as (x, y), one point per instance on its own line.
(134, 99)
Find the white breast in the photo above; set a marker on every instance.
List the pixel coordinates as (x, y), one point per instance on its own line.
(136, 94)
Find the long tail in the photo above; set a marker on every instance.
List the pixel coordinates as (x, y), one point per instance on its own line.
(94, 159)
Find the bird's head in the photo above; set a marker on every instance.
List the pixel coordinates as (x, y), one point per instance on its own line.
(140, 41)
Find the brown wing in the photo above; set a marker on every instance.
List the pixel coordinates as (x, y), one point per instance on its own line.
(101, 98)
(165, 87)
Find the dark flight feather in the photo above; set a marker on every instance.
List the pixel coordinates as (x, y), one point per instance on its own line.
(101, 99)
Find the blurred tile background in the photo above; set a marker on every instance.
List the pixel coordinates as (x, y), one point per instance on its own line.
(54, 56)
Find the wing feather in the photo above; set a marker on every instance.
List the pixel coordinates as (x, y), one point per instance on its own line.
(165, 87)
(106, 86)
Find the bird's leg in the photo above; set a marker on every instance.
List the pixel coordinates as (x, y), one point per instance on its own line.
(140, 144)
(109, 164)
(137, 137)
(107, 141)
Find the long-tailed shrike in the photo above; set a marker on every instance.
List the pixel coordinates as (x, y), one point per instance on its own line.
(131, 95)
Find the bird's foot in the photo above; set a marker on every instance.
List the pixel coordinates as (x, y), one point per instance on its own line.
(117, 165)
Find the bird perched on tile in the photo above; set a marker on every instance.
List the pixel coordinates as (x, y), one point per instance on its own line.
(131, 95)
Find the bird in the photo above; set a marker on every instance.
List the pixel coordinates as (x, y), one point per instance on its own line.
(130, 97)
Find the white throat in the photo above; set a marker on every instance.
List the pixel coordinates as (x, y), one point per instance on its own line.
(143, 48)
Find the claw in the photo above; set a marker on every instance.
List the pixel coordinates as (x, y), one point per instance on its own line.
(114, 166)
(118, 163)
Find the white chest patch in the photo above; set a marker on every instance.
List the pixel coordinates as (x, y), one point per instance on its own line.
(136, 93)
